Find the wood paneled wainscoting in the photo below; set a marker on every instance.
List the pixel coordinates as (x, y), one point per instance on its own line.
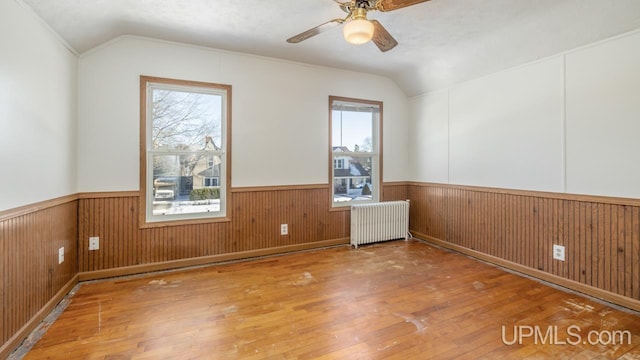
(254, 229)
(31, 280)
(517, 229)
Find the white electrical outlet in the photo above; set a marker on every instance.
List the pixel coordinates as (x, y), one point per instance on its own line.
(94, 243)
(558, 252)
(61, 255)
(284, 229)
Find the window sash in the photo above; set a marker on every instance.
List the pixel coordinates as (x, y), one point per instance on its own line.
(375, 181)
(190, 89)
(192, 215)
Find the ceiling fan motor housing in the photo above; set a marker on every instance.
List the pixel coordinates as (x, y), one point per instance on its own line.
(357, 29)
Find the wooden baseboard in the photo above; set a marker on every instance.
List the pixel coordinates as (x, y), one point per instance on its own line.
(205, 260)
(554, 279)
(20, 335)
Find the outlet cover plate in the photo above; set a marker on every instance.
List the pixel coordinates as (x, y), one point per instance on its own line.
(94, 243)
(61, 255)
(284, 229)
(558, 252)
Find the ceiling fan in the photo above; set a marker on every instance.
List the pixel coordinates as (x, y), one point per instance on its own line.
(357, 29)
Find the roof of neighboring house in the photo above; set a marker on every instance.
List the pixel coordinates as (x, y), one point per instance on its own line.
(355, 169)
(209, 144)
(341, 149)
(210, 172)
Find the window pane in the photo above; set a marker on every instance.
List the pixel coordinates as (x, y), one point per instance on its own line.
(352, 131)
(352, 182)
(179, 185)
(183, 120)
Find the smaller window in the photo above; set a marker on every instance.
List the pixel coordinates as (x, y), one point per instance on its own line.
(355, 145)
(211, 182)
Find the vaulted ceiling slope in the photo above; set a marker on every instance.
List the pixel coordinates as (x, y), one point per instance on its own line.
(441, 42)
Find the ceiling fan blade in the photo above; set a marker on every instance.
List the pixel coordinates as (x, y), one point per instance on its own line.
(314, 31)
(381, 37)
(389, 5)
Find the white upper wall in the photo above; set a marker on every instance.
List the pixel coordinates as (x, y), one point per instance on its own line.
(429, 137)
(38, 81)
(569, 123)
(280, 119)
(503, 130)
(506, 129)
(603, 119)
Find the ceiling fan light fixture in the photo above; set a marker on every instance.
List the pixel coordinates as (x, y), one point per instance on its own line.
(358, 31)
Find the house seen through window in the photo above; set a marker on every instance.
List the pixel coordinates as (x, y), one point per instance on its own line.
(186, 153)
(355, 143)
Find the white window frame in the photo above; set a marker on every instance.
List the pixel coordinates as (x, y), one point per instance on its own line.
(375, 154)
(147, 85)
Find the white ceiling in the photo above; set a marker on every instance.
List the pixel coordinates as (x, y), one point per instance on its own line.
(441, 42)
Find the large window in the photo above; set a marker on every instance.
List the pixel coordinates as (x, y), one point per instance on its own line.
(185, 128)
(355, 150)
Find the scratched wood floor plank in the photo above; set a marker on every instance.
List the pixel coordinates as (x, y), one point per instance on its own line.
(395, 300)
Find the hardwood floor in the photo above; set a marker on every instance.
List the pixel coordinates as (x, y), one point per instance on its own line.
(396, 300)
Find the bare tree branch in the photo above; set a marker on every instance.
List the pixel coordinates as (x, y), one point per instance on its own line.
(182, 121)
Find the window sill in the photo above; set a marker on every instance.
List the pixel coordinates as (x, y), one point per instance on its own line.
(340, 208)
